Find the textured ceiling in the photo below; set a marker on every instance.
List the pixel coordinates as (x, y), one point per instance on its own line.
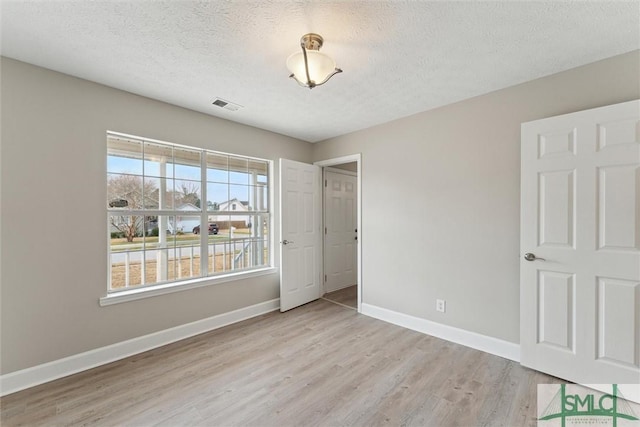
(399, 58)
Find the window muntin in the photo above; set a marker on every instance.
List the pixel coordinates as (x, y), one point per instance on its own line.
(158, 229)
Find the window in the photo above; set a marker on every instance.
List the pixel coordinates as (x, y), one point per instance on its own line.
(169, 216)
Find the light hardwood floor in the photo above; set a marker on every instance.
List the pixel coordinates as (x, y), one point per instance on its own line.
(347, 296)
(317, 365)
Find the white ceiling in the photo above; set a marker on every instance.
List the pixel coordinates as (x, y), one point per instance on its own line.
(399, 58)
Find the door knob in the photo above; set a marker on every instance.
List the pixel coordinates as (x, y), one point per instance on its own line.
(286, 242)
(531, 257)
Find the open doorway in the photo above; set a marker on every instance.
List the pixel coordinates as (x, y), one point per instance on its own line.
(341, 214)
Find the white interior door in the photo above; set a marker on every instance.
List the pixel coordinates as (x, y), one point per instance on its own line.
(340, 238)
(300, 253)
(580, 213)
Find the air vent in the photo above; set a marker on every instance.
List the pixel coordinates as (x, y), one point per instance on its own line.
(218, 102)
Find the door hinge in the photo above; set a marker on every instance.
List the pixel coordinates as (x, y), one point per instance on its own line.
(325, 230)
(325, 277)
(325, 182)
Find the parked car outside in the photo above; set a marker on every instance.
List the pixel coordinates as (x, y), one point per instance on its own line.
(213, 228)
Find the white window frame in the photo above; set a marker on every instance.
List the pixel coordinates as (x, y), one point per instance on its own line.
(149, 290)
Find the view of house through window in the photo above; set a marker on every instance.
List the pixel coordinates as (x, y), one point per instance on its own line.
(177, 213)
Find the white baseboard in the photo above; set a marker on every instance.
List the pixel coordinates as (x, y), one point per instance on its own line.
(29, 377)
(490, 345)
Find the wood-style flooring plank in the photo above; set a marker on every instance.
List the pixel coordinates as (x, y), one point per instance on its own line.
(318, 365)
(346, 296)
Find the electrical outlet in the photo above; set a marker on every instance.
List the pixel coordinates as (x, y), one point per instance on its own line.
(441, 305)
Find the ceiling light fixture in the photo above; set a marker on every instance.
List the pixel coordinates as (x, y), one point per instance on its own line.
(310, 68)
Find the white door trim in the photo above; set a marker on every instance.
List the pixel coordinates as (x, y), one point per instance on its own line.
(337, 161)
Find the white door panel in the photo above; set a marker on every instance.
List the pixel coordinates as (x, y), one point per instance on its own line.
(340, 205)
(300, 234)
(580, 212)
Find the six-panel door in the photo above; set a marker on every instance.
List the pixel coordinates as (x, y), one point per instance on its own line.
(340, 239)
(300, 233)
(580, 303)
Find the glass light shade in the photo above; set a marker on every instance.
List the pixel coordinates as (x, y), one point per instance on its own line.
(321, 66)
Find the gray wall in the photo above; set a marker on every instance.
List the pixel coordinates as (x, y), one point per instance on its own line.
(441, 196)
(54, 245)
(442, 185)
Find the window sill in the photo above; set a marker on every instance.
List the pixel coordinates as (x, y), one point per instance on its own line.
(168, 288)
